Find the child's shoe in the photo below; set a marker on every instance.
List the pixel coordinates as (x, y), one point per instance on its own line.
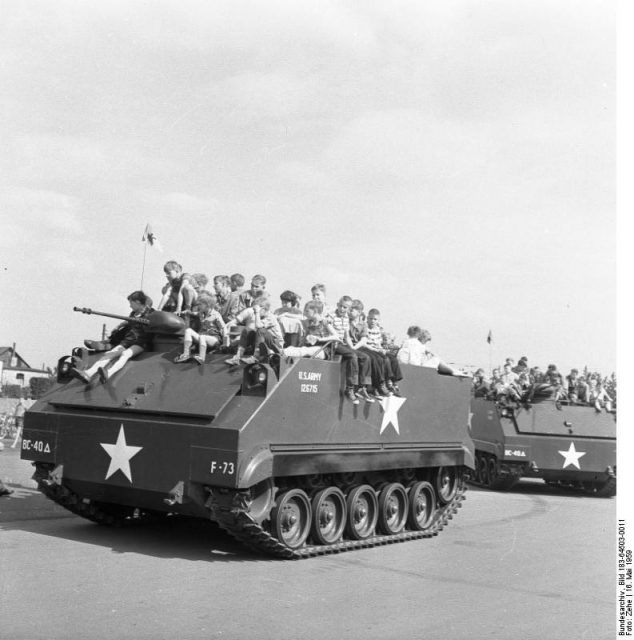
(97, 345)
(183, 357)
(350, 395)
(103, 374)
(393, 388)
(199, 359)
(364, 395)
(249, 360)
(383, 390)
(233, 361)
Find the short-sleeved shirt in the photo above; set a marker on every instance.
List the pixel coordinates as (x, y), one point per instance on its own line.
(341, 324)
(358, 331)
(246, 298)
(509, 378)
(269, 323)
(375, 337)
(129, 333)
(412, 352)
(174, 287)
(290, 319)
(212, 324)
(319, 328)
(572, 384)
(229, 306)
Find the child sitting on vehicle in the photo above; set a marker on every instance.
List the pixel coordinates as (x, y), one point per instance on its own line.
(237, 283)
(258, 286)
(506, 386)
(432, 361)
(316, 332)
(179, 293)
(290, 317)
(412, 351)
(375, 342)
(318, 293)
(599, 397)
(261, 334)
(228, 301)
(356, 362)
(131, 339)
(199, 282)
(359, 338)
(207, 328)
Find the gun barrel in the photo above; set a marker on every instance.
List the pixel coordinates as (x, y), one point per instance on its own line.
(111, 315)
(156, 321)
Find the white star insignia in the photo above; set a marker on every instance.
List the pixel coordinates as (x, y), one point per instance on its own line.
(572, 456)
(120, 454)
(390, 406)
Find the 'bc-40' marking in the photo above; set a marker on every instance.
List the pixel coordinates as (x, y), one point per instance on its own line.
(36, 445)
(518, 453)
(225, 468)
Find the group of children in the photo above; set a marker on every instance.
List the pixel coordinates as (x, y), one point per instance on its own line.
(228, 314)
(520, 385)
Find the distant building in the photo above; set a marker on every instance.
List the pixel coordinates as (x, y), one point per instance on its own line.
(15, 370)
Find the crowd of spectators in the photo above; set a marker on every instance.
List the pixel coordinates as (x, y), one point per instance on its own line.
(521, 383)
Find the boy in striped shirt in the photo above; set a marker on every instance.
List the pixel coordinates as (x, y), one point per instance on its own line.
(375, 339)
(357, 363)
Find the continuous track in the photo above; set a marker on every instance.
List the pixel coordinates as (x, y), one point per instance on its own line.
(106, 514)
(236, 520)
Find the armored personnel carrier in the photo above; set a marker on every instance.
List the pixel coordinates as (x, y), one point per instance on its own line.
(271, 451)
(568, 445)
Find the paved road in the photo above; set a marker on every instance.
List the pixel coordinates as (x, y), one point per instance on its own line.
(528, 564)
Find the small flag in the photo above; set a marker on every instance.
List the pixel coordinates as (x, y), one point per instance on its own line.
(150, 238)
(490, 337)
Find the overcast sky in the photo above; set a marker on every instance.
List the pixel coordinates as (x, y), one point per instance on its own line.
(450, 163)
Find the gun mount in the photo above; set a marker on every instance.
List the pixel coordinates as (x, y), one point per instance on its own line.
(156, 321)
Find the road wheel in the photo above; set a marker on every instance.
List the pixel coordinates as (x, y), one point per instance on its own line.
(493, 470)
(393, 505)
(480, 465)
(291, 518)
(446, 484)
(363, 511)
(422, 504)
(329, 515)
(485, 472)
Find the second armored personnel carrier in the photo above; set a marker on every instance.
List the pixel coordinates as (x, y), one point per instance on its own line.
(272, 451)
(568, 445)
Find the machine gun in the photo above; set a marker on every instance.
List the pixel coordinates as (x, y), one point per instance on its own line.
(156, 321)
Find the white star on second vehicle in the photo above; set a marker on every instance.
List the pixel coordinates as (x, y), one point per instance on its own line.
(390, 406)
(120, 454)
(572, 456)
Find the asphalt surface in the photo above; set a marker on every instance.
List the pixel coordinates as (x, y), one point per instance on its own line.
(532, 563)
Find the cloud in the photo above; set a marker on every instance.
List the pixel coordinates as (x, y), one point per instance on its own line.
(186, 203)
(303, 174)
(29, 208)
(175, 202)
(80, 160)
(253, 96)
(76, 261)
